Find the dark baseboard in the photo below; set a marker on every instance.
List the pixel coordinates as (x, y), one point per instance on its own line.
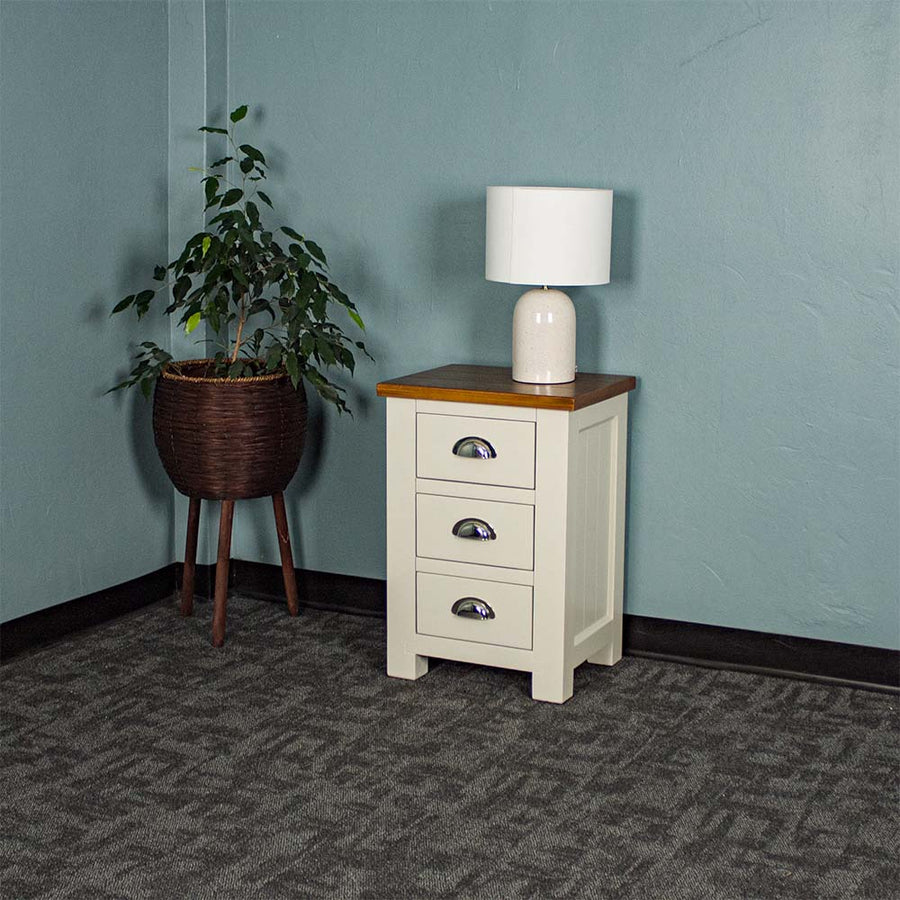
(318, 590)
(713, 646)
(874, 668)
(45, 626)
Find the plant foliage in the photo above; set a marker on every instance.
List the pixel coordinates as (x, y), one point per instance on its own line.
(265, 293)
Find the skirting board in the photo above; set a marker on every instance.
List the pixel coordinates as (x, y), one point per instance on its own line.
(45, 626)
(873, 668)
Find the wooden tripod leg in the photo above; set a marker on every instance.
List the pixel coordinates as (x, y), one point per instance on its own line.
(287, 560)
(225, 519)
(190, 558)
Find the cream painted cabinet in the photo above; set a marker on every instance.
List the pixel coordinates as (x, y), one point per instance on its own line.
(505, 522)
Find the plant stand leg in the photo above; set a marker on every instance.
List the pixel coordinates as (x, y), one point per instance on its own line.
(190, 558)
(287, 560)
(225, 519)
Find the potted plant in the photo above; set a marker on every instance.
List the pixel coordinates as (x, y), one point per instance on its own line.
(232, 426)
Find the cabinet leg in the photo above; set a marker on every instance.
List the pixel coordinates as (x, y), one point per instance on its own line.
(402, 664)
(287, 559)
(610, 652)
(190, 557)
(552, 687)
(608, 655)
(225, 519)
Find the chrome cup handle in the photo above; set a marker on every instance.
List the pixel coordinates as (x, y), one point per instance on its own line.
(472, 608)
(474, 530)
(474, 448)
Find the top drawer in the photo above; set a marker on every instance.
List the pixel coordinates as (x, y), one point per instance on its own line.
(478, 451)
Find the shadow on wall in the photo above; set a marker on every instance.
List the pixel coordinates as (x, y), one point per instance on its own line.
(477, 323)
(134, 274)
(589, 300)
(157, 487)
(624, 228)
(458, 244)
(257, 515)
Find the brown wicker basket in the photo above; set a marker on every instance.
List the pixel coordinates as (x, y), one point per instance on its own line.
(228, 439)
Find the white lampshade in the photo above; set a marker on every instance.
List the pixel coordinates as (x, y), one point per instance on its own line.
(548, 235)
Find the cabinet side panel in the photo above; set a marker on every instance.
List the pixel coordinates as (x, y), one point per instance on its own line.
(552, 668)
(595, 561)
(618, 481)
(592, 563)
(400, 528)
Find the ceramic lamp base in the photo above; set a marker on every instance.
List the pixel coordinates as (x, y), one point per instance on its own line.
(544, 338)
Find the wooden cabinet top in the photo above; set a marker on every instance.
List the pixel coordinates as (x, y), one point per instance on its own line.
(493, 385)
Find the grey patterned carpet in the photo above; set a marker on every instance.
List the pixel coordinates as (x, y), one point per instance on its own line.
(138, 762)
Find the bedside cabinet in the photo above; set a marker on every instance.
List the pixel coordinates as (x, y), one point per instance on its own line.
(505, 522)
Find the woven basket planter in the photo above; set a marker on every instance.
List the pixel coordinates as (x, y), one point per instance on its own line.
(228, 439)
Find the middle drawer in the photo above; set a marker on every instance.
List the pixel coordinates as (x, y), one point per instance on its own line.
(484, 532)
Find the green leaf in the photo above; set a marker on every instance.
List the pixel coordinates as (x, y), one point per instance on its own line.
(307, 285)
(246, 165)
(159, 273)
(182, 286)
(205, 244)
(239, 276)
(239, 113)
(253, 153)
(316, 250)
(235, 369)
(291, 233)
(221, 162)
(356, 318)
(293, 368)
(273, 357)
(211, 188)
(339, 295)
(231, 197)
(210, 130)
(192, 323)
(264, 197)
(147, 387)
(123, 304)
(142, 302)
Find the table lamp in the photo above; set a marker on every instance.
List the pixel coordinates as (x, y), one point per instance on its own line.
(549, 237)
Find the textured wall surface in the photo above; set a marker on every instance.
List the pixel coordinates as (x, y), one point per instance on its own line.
(83, 100)
(752, 149)
(754, 288)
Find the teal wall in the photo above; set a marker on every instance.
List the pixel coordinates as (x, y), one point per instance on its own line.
(83, 184)
(754, 292)
(753, 151)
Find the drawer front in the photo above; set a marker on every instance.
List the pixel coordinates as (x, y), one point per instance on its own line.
(480, 451)
(508, 606)
(511, 524)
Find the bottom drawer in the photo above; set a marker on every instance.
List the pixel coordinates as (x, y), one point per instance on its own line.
(508, 607)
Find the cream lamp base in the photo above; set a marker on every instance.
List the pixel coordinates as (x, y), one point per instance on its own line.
(544, 338)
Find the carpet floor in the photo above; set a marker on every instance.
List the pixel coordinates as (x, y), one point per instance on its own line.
(138, 762)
